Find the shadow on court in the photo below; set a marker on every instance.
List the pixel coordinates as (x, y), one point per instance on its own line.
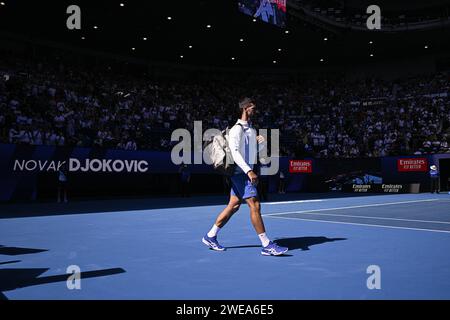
(9, 262)
(13, 251)
(304, 243)
(244, 247)
(11, 279)
(86, 206)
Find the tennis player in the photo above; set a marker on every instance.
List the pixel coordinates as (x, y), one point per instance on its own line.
(243, 143)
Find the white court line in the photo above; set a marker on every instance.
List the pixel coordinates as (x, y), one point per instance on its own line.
(373, 218)
(363, 224)
(351, 207)
(290, 202)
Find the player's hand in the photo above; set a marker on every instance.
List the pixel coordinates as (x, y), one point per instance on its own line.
(253, 177)
(260, 139)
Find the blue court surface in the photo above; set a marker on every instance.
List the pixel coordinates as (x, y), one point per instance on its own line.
(157, 253)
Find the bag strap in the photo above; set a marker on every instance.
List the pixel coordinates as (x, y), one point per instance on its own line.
(242, 127)
(237, 124)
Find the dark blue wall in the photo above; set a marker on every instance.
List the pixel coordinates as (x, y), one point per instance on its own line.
(162, 177)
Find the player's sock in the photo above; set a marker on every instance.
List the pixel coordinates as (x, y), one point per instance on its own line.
(264, 239)
(214, 231)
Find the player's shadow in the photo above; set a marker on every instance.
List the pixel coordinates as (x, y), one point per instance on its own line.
(304, 243)
(244, 247)
(12, 279)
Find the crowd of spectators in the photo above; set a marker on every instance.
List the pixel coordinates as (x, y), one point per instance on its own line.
(55, 103)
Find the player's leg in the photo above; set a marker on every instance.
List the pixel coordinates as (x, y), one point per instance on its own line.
(210, 239)
(255, 215)
(232, 207)
(269, 248)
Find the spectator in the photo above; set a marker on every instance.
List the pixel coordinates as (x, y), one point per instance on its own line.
(434, 177)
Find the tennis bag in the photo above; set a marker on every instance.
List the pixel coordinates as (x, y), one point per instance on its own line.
(218, 153)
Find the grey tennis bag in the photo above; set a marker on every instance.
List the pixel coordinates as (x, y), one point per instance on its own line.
(218, 154)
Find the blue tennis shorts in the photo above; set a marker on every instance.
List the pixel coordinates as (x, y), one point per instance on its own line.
(242, 188)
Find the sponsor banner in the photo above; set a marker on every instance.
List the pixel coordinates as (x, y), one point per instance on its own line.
(300, 166)
(382, 188)
(412, 165)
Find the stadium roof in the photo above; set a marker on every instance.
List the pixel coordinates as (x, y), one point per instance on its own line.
(214, 32)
